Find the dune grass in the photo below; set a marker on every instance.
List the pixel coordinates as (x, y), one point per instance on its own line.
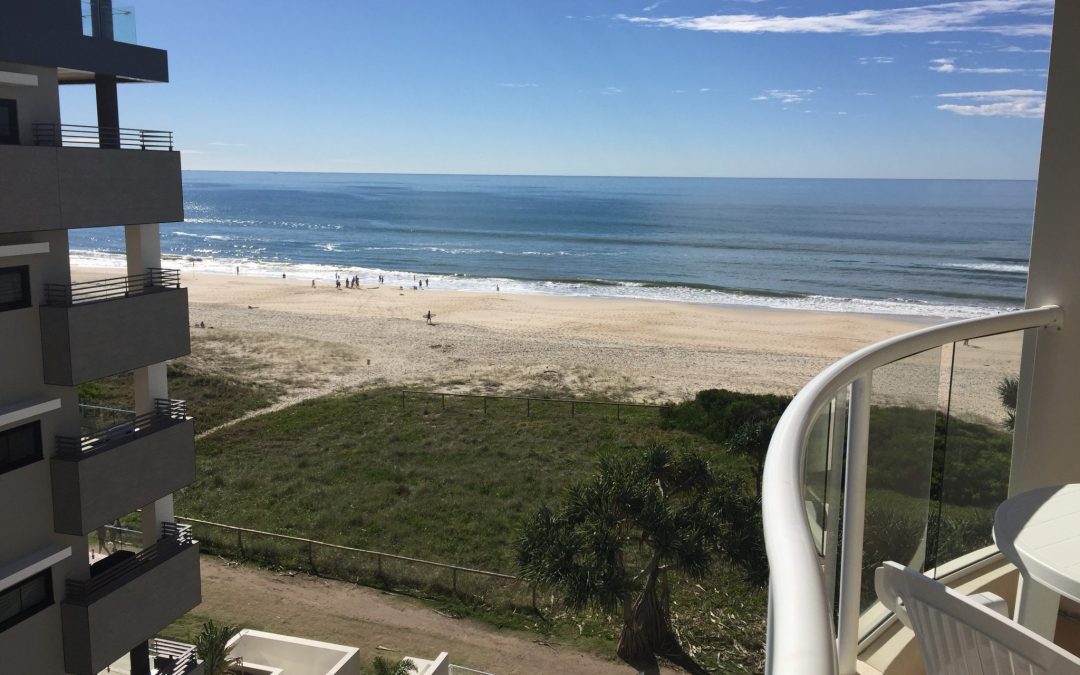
(451, 485)
(213, 397)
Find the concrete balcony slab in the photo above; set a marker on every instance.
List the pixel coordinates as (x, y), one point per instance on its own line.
(85, 342)
(52, 188)
(102, 625)
(91, 489)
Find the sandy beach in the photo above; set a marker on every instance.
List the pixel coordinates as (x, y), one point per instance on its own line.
(325, 339)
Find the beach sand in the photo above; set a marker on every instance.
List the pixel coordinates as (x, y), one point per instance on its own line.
(317, 340)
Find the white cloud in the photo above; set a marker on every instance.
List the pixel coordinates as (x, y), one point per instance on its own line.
(704, 89)
(517, 85)
(785, 96)
(949, 66)
(1004, 17)
(867, 60)
(611, 90)
(228, 145)
(652, 6)
(1013, 49)
(865, 93)
(995, 94)
(1026, 103)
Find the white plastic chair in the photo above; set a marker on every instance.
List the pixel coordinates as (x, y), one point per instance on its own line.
(965, 635)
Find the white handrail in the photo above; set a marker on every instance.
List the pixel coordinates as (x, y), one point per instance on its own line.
(800, 634)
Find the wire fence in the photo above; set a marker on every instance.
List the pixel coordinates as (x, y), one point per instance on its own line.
(361, 566)
(530, 406)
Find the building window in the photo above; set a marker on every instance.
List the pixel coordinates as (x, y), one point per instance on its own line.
(20, 446)
(9, 122)
(25, 599)
(14, 287)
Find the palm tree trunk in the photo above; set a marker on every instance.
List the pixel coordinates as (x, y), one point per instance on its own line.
(647, 632)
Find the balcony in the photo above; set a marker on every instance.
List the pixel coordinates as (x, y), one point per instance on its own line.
(85, 176)
(167, 657)
(128, 598)
(109, 473)
(892, 453)
(84, 136)
(93, 329)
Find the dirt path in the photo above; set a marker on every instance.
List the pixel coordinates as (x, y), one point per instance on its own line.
(333, 611)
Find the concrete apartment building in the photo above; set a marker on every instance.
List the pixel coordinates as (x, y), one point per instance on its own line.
(61, 479)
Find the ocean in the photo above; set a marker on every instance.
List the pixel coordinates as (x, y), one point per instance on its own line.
(936, 248)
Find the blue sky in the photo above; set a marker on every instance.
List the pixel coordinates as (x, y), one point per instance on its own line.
(787, 88)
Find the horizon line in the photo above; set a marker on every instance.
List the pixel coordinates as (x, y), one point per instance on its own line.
(569, 175)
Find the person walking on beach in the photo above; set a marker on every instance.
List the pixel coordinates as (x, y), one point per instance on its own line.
(313, 283)
(237, 270)
(428, 317)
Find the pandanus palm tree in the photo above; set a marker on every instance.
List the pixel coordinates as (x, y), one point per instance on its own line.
(618, 535)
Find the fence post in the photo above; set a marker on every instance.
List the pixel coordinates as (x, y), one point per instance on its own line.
(528, 407)
(444, 401)
(454, 570)
(571, 409)
(240, 542)
(311, 555)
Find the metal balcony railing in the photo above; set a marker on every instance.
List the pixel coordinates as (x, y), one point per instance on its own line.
(171, 657)
(83, 135)
(166, 413)
(79, 292)
(816, 555)
(174, 539)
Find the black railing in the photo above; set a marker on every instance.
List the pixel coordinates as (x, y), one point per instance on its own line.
(174, 539)
(172, 658)
(166, 413)
(82, 135)
(154, 279)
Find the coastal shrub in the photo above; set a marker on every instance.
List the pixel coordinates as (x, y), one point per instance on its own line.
(1008, 389)
(744, 422)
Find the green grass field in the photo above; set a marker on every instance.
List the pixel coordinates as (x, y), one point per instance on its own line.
(451, 485)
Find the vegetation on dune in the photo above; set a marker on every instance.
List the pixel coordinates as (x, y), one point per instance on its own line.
(457, 485)
(213, 398)
(743, 422)
(1008, 389)
(450, 485)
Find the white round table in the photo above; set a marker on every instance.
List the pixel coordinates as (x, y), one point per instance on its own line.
(1039, 532)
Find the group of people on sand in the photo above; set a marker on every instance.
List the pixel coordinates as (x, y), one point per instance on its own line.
(354, 282)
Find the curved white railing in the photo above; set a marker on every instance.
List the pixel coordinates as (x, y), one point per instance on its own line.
(801, 637)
